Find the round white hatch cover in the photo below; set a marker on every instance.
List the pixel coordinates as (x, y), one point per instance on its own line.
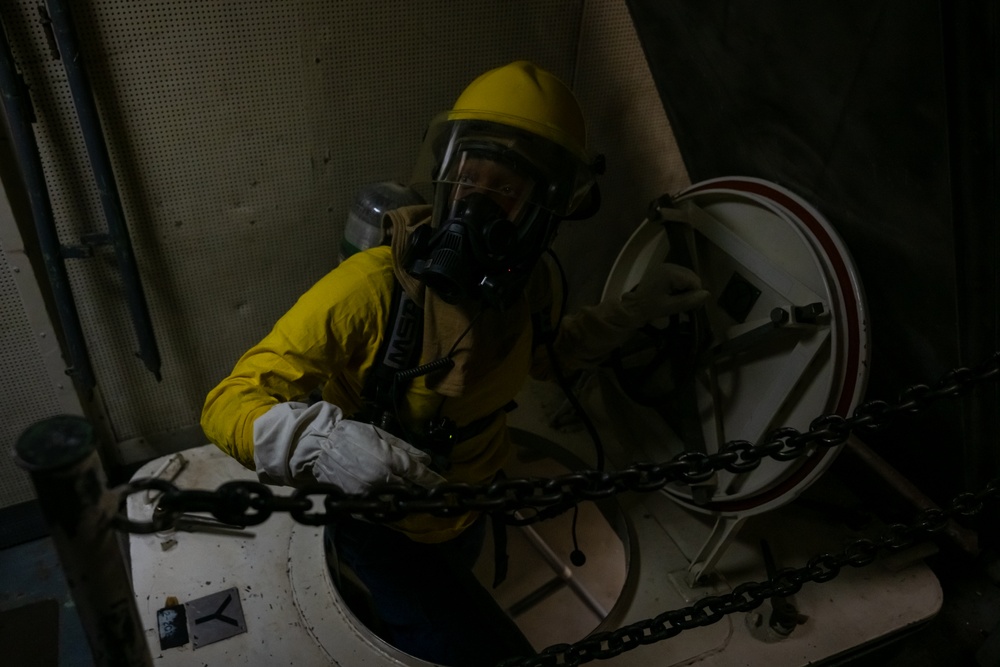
(782, 340)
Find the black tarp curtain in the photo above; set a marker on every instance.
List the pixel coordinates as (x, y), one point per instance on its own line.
(882, 115)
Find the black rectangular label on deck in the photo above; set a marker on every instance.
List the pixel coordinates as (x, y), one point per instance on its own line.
(171, 623)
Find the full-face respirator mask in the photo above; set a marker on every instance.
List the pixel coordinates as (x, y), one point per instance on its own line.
(498, 193)
(478, 253)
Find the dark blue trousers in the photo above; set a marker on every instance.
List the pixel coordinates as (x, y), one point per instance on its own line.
(428, 602)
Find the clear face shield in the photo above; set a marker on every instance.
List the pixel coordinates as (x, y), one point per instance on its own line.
(498, 194)
(488, 173)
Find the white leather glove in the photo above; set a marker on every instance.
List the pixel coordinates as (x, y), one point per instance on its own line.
(665, 289)
(296, 444)
(588, 336)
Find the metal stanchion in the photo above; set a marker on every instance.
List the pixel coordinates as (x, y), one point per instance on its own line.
(60, 453)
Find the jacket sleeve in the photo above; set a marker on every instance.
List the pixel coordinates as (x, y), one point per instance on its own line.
(333, 330)
(588, 337)
(581, 340)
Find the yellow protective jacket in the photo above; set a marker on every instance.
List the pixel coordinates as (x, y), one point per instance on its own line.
(329, 340)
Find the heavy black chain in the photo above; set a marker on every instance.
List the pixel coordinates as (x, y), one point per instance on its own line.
(249, 503)
(752, 594)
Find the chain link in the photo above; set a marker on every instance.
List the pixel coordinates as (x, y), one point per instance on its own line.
(249, 503)
(750, 595)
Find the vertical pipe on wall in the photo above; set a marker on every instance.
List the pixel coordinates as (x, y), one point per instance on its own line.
(61, 456)
(100, 162)
(17, 110)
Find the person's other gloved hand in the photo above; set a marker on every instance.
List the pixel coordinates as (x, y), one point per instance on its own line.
(588, 336)
(665, 289)
(295, 444)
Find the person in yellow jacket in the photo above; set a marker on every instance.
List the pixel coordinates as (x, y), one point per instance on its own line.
(507, 163)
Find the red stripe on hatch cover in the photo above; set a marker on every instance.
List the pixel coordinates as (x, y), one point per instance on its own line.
(852, 333)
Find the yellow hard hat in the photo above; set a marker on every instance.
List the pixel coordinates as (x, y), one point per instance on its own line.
(525, 116)
(525, 96)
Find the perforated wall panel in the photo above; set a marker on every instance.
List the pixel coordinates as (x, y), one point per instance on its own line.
(241, 131)
(32, 384)
(23, 385)
(628, 125)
